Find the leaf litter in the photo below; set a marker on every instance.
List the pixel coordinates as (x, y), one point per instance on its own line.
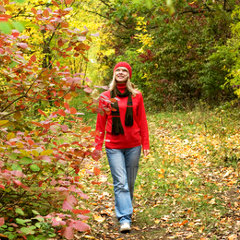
(187, 188)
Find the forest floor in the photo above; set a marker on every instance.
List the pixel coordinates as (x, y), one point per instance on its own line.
(187, 188)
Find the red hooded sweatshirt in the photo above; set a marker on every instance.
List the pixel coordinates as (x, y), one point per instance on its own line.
(134, 135)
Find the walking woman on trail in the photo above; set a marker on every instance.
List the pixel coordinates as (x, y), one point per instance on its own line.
(124, 121)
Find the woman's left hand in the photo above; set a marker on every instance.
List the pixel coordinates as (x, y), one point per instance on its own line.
(146, 152)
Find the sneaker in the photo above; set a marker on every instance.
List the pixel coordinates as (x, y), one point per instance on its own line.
(125, 227)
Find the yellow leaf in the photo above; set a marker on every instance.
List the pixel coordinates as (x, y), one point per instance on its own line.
(35, 153)
(25, 153)
(10, 135)
(98, 218)
(157, 221)
(46, 152)
(233, 237)
(17, 115)
(19, 145)
(3, 122)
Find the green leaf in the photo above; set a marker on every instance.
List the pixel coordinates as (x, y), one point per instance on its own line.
(170, 6)
(25, 161)
(16, 166)
(5, 27)
(11, 236)
(22, 221)
(13, 156)
(35, 168)
(38, 237)
(20, 1)
(28, 230)
(149, 4)
(13, 64)
(35, 212)
(38, 225)
(4, 226)
(18, 26)
(19, 211)
(52, 235)
(40, 219)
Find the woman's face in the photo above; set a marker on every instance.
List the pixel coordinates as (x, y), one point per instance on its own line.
(121, 74)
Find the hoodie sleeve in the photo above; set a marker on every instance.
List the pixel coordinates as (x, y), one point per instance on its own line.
(143, 123)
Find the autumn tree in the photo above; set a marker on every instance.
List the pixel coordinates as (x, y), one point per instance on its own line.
(169, 44)
(43, 140)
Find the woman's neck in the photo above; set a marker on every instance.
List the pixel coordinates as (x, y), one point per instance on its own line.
(121, 86)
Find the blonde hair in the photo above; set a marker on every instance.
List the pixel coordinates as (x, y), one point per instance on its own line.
(130, 86)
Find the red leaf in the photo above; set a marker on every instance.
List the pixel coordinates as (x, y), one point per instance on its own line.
(66, 105)
(58, 222)
(40, 183)
(61, 112)
(80, 211)
(66, 205)
(2, 187)
(96, 155)
(22, 45)
(1, 221)
(87, 47)
(30, 142)
(64, 25)
(60, 43)
(96, 183)
(82, 217)
(88, 90)
(46, 13)
(41, 112)
(64, 128)
(71, 199)
(68, 1)
(73, 110)
(68, 96)
(33, 58)
(15, 33)
(37, 124)
(80, 226)
(17, 182)
(68, 232)
(34, 11)
(4, 17)
(55, 3)
(68, 49)
(97, 171)
(57, 104)
(183, 222)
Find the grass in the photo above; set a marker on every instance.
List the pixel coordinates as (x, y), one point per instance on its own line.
(175, 180)
(182, 186)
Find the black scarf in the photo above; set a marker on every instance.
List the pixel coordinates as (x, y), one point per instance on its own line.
(116, 121)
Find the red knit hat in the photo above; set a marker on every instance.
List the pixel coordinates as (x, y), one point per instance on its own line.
(126, 65)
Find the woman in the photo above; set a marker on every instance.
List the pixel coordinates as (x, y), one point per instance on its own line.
(124, 121)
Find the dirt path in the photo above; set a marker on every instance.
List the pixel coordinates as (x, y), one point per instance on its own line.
(180, 193)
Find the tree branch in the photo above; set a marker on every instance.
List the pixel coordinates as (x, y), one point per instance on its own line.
(10, 114)
(26, 93)
(121, 24)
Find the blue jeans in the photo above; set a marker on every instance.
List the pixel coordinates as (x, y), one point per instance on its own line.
(124, 166)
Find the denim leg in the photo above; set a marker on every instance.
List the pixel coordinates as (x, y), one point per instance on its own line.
(124, 166)
(123, 203)
(132, 156)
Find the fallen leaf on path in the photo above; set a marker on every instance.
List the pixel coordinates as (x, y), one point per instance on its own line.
(98, 218)
(233, 237)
